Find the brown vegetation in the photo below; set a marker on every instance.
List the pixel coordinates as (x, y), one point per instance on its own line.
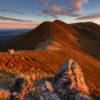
(79, 42)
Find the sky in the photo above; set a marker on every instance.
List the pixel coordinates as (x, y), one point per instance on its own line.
(30, 13)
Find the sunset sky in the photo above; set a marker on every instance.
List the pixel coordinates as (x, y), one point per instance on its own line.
(30, 13)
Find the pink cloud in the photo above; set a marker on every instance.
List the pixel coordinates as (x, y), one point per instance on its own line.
(48, 12)
(59, 10)
(54, 10)
(77, 5)
(45, 3)
(11, 25)
(94, 16)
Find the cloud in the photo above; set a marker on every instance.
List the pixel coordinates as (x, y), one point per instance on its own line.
(76, 5)
(14, 19)
(48, 12)
(69, 8)
(44, 2)
(54, 11)
(94, 16)
(15, 25)
(13, 11)
(58, 10)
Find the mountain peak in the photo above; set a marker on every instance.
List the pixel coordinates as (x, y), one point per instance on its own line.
(59, 22)
(56, 31)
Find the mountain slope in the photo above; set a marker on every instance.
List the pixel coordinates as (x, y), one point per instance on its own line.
(46, 48)
(89, 29)
(47, 30)
(79, 35)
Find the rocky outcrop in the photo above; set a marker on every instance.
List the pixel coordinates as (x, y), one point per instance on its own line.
(47, 92)
(20, 88)
(20, 83)
(68, 84)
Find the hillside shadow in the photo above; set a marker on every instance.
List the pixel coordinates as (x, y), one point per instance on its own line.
(90, 46)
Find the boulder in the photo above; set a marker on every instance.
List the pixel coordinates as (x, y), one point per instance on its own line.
(47, 92)
(69, 82)
(49, 96)
(19, 85)
(19, 89)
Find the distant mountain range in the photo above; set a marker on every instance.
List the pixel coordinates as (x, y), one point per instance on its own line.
(6, 34)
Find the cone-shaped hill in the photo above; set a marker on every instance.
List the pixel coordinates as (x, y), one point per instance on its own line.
(47, 32)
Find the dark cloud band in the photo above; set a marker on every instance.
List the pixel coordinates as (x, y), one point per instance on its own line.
(88, 17)
(14, 19)
(13, 11)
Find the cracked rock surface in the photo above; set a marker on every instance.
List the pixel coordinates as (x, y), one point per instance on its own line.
(69, 82)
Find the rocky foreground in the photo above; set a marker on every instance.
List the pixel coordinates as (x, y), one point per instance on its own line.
(68, 84)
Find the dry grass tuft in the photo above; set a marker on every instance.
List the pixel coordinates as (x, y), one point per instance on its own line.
(4, 95)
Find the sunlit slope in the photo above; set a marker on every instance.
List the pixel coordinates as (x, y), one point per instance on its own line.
(47, 47)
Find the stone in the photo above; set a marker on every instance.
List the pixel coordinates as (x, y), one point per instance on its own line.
(80, 96)
(49, 96)
(47, 92)
(19, 89)
(19, 85)
(48, 86)
(69, 82)
(11, 51)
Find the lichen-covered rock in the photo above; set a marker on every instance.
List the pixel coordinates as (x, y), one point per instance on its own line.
(49, 96)
(19, 85)
(69, 82)
(80, 96)
(45, 87)
(47, 92)
(19, 89)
